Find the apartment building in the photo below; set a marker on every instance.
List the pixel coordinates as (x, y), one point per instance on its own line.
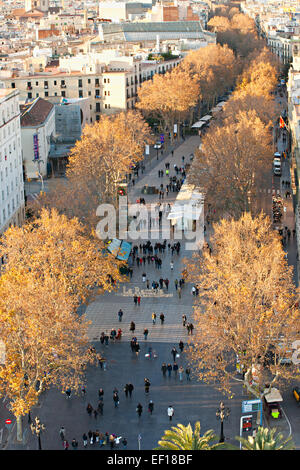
(109, 81)
(12, 211)
(37, 129)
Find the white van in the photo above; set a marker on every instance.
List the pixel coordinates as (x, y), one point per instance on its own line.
(277, 164)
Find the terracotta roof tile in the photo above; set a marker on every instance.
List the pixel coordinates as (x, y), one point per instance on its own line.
(35, 112)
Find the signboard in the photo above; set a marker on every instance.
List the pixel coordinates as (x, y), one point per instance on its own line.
(147, 149)
(162, 138)
(251, 405)
(175, 129)
(36, 147)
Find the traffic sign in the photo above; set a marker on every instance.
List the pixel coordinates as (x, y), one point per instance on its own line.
(162, 138)
(8, 424)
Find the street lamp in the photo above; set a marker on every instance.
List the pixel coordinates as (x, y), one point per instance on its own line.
(221, 414)
(36, 428)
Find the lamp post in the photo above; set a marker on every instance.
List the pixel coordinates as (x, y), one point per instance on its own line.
(36, 428)
(221, 414)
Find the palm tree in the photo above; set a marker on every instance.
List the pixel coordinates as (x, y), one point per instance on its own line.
(265, 439)
(182, 437)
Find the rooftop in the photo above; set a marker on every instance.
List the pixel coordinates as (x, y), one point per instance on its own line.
(35, 112)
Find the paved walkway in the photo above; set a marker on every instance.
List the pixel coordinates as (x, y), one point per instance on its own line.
(103, 311)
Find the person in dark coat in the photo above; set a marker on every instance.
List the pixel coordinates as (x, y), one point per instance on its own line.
(139, 409)
(164, 369)
(151, 407)
(147, 385)
(89, 409)
(130, 389)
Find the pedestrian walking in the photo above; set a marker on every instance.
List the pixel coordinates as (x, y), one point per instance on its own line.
(135, 299)
(132, 326)
(137, 348)
(130, 389)
(184, 319)
(95, 413)
(62, 433)
(151, 407)
(139, 300)
(175, 368)
(191, 328)
(120, 314)
(68, 393)
(146, 331)
(153, 318)
(85, 440)
(65, 445)
(172, 265)
(90, 435)
(126, 390)
(100, 408)
(179, 292)
(188, 373)
(89, 409)
(74, 444)
(180, 372)
(116, 399)
(83, 391)
(176, 283)
(124, 442)
(181, 346)
(164, 369)
(162, 318)
(174, 352)
(139, 409)
(100, 393)
(147, 384)
(170, 412)
(169, 369)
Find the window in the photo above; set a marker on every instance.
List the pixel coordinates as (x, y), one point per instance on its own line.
(63, 93)
(46, 93)
(89, 93)
(13, 85)
(80, 93)
(97, 117)
(29, 95)
(46, 84)
(97, 107)
(97, 93)
(96, 81)
(89, 80)
(104, 80)
(36, 83)
(80, 83)
(55, 82)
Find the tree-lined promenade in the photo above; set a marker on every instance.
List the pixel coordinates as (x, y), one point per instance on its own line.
(247, 300)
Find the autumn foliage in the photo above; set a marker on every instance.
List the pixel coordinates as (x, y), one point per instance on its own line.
(52, 267)
(246, 305)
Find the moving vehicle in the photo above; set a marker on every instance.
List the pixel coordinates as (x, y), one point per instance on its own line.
(277, 164)
(158, 145)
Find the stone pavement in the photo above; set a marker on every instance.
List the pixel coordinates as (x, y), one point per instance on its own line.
(103, 311)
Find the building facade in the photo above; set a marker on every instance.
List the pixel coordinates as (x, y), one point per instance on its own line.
(12, 204)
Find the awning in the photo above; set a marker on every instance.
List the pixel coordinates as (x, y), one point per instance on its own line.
(273, 395)
(198, 124)
(119, 248)
(221, 104)
(206, 118)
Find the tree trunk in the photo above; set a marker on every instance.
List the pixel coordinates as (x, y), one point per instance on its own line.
(19, 429)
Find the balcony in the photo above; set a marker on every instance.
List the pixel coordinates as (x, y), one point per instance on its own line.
(63, 85)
